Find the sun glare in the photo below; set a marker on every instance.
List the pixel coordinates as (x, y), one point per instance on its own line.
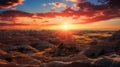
(66, 26)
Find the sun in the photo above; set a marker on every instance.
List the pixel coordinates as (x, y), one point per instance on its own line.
(66, 26)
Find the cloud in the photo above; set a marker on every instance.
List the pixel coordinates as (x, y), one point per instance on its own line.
(94, 13)
(58, 4)
(13, 8)
(86, 13)
(75, 6)
(75, 0)
(44, 5)
(14, 13)
(9, 3)
(17, 24)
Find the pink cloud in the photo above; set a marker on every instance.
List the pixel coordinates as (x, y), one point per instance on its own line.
(75, 6)
(74, 0)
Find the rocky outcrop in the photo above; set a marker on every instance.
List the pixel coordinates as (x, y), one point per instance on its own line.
(40, 49)
(65, 50)
(69, 64)
(111, 45)
(115, 36)
(16, 65)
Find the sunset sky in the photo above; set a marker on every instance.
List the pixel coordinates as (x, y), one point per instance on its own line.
(51, 14)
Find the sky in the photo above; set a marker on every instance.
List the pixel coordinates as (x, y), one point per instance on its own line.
(51, 14)
(34, 6)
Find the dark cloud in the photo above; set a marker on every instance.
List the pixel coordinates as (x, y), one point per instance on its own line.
(9, 3)
(15, 13)
(107, 10)
(10, 15)
(17, 24)
(111, 3)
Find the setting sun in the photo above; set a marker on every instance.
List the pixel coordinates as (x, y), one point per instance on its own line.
(59, 33)
(66, 26)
